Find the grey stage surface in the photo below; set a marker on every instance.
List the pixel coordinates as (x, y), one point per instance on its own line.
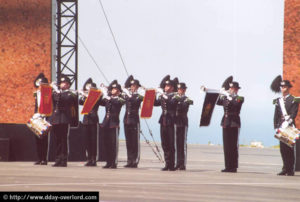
(256, 179)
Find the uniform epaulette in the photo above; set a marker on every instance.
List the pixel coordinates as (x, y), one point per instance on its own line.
(73, 94)
(297, 99)
(189, 101)
(122, 100)
(140, 97)
(274, 101)
(222, 96)
(240, 98)
(34, 94)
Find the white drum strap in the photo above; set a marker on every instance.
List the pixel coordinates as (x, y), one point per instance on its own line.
(282, 107)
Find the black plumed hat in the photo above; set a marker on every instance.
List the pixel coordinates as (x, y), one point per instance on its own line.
(275, 85)
(128, 80)
(114, 84)
(89, 81)
(131, 81)
(227, 82)
(234, 84)
(175, 83)
(164, 80)
(65, 78)
(286, 83)
(182, 86)
(40, 79)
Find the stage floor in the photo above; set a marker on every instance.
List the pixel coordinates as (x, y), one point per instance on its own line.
(256, 179)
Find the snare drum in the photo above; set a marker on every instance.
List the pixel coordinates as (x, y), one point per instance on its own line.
(39, 125)
(288, 135)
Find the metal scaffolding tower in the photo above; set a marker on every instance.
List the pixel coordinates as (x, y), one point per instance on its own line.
(67, 40)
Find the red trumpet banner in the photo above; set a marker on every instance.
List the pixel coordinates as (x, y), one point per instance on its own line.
(291, 56)
(93, 97)
(45, 107)
(148, 103)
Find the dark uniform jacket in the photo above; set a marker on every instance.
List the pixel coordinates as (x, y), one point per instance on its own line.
(182, 109)
(232, 110)
(92, 117)
(62, 102)
(132, 108)
(112, 111)
(291, 107)
(168, 106)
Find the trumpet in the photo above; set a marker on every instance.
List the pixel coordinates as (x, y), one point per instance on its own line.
(54, 86)
(222, 91)
(83, 93)
(141, 90)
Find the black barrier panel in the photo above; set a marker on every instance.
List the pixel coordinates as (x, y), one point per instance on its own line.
(22, 144)
(76, 145)
(4, 149)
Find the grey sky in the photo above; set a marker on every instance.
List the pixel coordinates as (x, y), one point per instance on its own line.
(201, 42)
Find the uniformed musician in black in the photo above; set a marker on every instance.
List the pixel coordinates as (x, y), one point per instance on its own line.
(231, 123)
(132, 122)
(63, 100)
(111, 123)
(42, 141)
(181, 123)
(168, 104)
(89, 124)
(291, 106)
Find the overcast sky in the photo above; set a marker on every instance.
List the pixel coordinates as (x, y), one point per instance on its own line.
(201, 42)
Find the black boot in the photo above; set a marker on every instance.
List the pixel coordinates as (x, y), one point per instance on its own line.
(93, 162)
(37, 162)
(106, 166)
(172, 168)
(56, 164)
(283, 172)
(88, 163)
(165, 168)
(44, 162)
(128, 165)
(114, 166)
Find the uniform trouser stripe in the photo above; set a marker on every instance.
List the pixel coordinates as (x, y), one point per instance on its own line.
(181, 142)
(90, 135)
(61, 134)
(138, 144)
(185, 144)
(111, 139)
(132, 134)
(230, 146)
(288, 157)
(175, 146)
(167, 134)
(117, 145)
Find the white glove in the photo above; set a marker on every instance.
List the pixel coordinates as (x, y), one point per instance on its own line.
(159, 91)
(224, 92)
(126, 91)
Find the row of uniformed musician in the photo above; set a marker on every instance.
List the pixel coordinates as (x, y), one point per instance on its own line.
(173, 123)
(113, 100)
